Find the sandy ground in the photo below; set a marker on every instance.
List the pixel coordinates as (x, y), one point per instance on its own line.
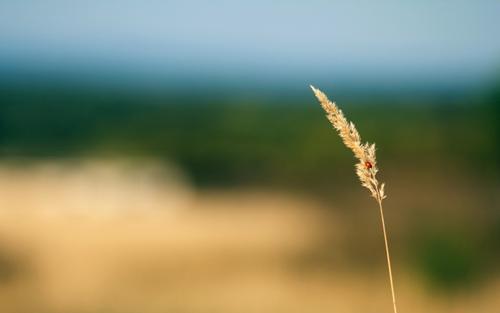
(125, 237)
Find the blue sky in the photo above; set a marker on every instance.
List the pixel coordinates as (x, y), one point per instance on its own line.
(366, 41)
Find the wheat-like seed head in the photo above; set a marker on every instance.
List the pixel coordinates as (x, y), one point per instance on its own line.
(366, 168)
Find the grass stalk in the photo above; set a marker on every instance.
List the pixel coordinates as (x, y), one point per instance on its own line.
(388, 256)
(366, 168)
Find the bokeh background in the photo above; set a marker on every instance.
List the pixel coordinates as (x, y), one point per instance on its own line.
(169, 156)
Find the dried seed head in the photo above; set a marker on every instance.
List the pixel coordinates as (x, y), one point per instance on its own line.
(366, 169)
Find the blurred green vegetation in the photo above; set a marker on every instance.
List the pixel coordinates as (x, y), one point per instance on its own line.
(230, 139)
(450, 259)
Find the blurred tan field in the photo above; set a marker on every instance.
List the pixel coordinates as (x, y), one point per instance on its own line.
(121, 236)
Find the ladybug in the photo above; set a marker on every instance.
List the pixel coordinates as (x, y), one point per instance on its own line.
(368, 165)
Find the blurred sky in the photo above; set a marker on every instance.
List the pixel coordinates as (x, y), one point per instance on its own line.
(194, 41)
